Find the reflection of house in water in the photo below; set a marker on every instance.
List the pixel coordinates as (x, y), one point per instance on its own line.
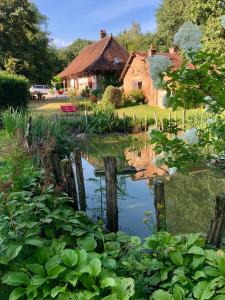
(143, 160)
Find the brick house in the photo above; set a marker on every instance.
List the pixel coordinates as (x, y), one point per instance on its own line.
(136, 74)
(105, 57)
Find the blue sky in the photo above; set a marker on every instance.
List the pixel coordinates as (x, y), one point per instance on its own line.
(72, 19)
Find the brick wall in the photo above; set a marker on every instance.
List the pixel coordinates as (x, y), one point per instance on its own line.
(139, 72)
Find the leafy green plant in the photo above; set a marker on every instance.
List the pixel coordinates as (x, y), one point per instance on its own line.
(136, 96)
(112, 95)
(14, 120)
(199, 82)
(106, 121)
(85, 92)
(176, 267)
(14, 91)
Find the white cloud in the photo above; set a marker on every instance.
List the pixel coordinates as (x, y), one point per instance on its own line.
(60, 43)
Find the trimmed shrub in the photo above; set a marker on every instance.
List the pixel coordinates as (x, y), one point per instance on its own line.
(14, 91)
(136, 96)
(113, 95)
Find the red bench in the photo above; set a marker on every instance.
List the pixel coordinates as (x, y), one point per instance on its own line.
(68, 108)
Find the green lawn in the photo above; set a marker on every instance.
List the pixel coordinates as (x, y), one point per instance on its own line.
(47, 107)
(145, 109)
(52, 107)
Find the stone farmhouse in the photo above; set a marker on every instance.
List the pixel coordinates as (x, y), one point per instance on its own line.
(136, 74)
(102, 58)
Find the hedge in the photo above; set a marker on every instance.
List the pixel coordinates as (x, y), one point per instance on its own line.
(14, 90)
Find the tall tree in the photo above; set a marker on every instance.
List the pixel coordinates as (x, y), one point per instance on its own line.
(134, 40)
(24, 46)
(207, 14)
(169, 16)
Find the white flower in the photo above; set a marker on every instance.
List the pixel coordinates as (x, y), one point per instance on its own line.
(158, 65)
(190, 136)
(188, 38)
(172, 171)
(210, 121)
(223, 21)
(208, 98)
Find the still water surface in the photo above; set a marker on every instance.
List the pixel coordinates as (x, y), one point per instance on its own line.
(189, 198)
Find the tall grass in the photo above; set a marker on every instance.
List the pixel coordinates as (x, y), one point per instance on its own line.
(14, 120)
(44, 131)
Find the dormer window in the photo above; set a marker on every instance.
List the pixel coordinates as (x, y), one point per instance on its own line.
(116, 61)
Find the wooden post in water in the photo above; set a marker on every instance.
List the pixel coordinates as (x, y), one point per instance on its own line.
(80, 180)
(111, 193)
(69, 184)
(55, 165)
(160, 205)
(217, 226)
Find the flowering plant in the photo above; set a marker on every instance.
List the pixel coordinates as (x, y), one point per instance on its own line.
(199, 82)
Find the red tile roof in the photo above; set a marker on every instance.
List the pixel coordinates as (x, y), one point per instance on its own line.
(174, 57)
(98, 57)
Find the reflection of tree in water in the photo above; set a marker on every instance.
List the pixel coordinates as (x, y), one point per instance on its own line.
(98, 200)
(190, 201)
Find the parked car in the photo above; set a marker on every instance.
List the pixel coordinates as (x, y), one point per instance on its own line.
(40, 89)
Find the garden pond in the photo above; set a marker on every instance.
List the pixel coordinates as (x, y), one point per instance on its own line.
(189, 198)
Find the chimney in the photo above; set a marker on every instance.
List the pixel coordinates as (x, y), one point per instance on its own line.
(152, 51)
(173, 50)
(103, 34)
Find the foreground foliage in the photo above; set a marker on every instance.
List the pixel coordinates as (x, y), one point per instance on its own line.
(49, 251)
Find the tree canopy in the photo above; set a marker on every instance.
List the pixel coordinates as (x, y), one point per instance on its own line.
(207, 14)
(133, 39)
(24, 47)
(67, 54)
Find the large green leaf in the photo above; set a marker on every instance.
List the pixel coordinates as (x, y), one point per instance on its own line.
(69, 257)
(203, 290)
(176, 257)
(16, 278)
(161, 295)
(222, 265)
(95, 266)
(16, 294)
(87, 243)
(57, 290)
(196, 250)
(108, 282)
(34, 241)
(122, 237)
(55, 271)
(124, 288)
(37, 269)
(178, 293)
(72, 278)
(37, 280)
(13, 251)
